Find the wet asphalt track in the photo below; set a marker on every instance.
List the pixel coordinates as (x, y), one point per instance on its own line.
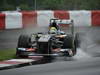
(86, 62)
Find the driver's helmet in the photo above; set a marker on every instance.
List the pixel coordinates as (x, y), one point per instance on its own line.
(53, 30)
(54, 24)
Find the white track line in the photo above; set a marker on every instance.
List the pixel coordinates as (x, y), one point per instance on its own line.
(5, 65)
(92, 45)
(22, 60)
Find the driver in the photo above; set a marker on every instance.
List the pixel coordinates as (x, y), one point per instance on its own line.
(54, 24)
(53, 30)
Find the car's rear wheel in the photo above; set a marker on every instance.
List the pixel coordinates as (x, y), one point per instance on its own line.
(76, 44)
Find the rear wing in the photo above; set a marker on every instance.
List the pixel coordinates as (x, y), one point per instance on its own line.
(60, 21)
(64, 21)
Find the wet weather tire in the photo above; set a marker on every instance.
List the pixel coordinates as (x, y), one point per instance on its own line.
(67, 43)
(23, 41)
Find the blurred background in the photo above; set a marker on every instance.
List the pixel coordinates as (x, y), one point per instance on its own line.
(12, 5)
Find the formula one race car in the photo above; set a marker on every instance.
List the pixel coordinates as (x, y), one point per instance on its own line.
(53, 43)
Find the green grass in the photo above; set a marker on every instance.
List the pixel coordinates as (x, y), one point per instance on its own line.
(7, 54)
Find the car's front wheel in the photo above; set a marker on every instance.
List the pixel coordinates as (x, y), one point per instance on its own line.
(23, 42)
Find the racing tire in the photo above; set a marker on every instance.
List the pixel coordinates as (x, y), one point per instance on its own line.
(67, 43)
(23, 42)
(75, 44)
(70, 43)
(77, 41)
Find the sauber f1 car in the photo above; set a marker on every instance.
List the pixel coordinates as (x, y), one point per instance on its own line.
(53, 43)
